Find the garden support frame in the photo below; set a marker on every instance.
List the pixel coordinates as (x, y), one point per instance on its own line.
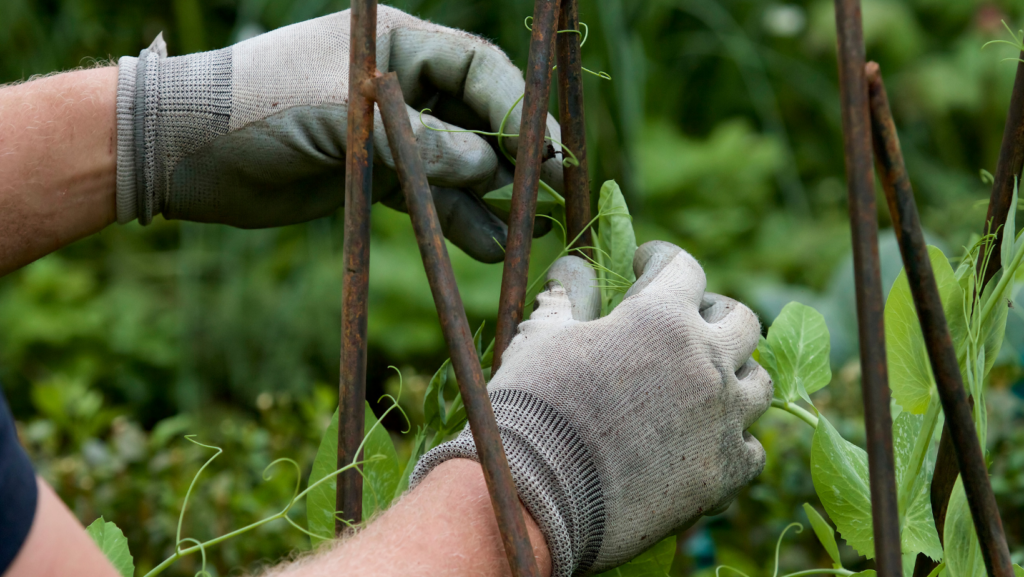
(941, 352)
(868, 278)
(367, 86)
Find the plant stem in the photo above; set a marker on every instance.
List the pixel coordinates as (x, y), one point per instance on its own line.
(797, 411)
(924, 439)
(1001, 285)
(844, 572)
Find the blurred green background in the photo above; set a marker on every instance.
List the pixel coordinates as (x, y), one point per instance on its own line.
(721, 125)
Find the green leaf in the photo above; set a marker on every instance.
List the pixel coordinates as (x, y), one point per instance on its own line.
(839, 471)
(114, 545)
(963, 554)
(866, 573)
(798, 347)
(381, 477)
(910, 373)
(917, 527)
(434, 408)
(654, 562)
(616, 239)
(825, 532)
(1018, 571)
(502, 199)
(1006, 248)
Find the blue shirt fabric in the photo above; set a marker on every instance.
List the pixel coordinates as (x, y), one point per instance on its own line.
(18, 491)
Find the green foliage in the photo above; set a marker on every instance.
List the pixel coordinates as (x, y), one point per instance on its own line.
(840, 473)
(381, 472)
(963, 554)
(113, 544)
(654, 562)
(796, 353)
(616, 243)
(910, 372)
(825, 533)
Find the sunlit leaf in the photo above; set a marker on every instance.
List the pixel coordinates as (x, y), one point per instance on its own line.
(114, 545)
(380, 476)
(839, 471)
(963, 554)
(798, 352)
(501, 199)
(825, 533)
(617, 240)
(910, 373)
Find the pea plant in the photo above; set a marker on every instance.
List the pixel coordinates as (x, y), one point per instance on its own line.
(796, 354)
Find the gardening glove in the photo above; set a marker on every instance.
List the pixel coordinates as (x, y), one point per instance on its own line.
(622, 430)
(253, 135)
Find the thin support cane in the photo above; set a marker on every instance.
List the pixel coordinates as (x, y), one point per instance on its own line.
(867, 274)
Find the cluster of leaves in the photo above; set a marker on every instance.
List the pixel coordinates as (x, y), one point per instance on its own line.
(796, 354)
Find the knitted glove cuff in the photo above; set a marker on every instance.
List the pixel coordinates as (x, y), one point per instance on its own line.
(167, 108)
(553, 471)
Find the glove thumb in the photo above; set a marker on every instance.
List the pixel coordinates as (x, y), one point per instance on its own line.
(577, 282)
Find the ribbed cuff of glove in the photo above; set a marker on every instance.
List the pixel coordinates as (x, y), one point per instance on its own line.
(166, 109)
(554, 474)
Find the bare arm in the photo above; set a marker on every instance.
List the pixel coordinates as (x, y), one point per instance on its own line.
(444, 527)
(58, 150)
(57, 545)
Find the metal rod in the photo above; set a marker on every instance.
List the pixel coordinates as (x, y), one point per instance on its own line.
(454, 325)
(527, 176)
(867, 274)
(574, 131)
(1011, 159)
(941, 352)
(358, 184)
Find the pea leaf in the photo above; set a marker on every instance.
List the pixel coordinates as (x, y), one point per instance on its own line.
(1008, 245)
(434, 409)
(501, 199)
(1018, 571)
(910, 373)
(797, 349)
(381, 477)
(963, 554)
(839, 471)
(114, 545)
(825, 532)
(866, 573)
(917, 527)
(618, 243)
(654, 562)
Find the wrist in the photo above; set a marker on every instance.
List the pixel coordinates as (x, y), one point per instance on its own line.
(554, 473)
(470, 488)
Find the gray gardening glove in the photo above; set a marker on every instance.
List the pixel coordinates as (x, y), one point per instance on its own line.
(622, 430)
(253, 135)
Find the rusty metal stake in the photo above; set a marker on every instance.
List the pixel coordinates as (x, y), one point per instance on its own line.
(454, 325)
(358, 198)
(1011, 159)
(573, 122)
(527, 176)
(867, 273)
(941, 352)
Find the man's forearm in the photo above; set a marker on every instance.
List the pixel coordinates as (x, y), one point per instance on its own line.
(446, 526)
(58, 151)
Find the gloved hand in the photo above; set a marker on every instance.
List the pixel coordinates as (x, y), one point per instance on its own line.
(624, 429)
(253, 135)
